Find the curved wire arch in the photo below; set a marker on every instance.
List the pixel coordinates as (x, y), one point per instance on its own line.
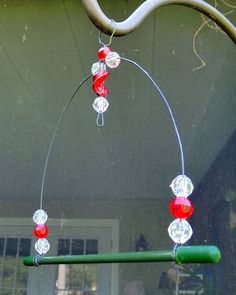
(67, 105)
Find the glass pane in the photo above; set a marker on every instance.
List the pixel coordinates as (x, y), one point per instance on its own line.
(1, 246)
(24, 249)
(63, 247)
(77, 247)
(90, 279)
(11, 247)
(91, 246)
(63, 277)
(9, 272)
(77, 275)
(21, 276)
(78, 278)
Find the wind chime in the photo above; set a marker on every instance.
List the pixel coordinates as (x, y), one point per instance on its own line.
(179, 230)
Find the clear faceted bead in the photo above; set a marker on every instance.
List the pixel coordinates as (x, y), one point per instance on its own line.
(98, 67)
(112, 59)
(180, 231)
(100, 104)
(40, 216)
(182, 186)
(42, 246)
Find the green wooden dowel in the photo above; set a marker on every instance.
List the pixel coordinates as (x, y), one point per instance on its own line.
(183, 254)
(197, 254)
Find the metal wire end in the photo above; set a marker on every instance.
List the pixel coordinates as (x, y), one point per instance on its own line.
(111, 36)
(36, 260)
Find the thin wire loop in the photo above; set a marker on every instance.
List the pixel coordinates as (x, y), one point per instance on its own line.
(168, 107)
(100, 120)
(54, 134)
(36, 260)
(111, 36)
(177, 280)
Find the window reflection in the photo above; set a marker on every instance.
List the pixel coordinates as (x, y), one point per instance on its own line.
(14, 275)
(77, 279)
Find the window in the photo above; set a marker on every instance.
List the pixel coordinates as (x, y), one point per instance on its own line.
(77, 279)
(13, 275)
(76, 237)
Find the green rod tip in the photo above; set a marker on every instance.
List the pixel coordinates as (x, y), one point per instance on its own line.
(197, 254)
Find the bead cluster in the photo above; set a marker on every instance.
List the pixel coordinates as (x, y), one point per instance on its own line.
(181, 208)
(109, 58)
(41, 231)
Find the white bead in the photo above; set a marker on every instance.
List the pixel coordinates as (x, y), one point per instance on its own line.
(112, 59)
(182, 186)
(180, 231)
(42, 246)
(97, 68)
(40, 216)
(100, 104)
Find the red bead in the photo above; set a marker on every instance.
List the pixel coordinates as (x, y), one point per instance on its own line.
(103, 52)
(181, 207)
(101, 90)
(41, 231)
(98, 83)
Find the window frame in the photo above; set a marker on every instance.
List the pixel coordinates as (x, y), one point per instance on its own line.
(98, 228)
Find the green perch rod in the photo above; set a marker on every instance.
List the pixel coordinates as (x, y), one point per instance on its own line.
(182, 255)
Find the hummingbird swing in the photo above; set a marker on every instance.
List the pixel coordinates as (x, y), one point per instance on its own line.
(179, 230)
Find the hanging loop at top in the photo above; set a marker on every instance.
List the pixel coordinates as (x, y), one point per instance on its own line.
(111, 36)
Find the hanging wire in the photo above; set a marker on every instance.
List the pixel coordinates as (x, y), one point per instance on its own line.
(168, 107)
(54, 134)
(110, 39)
(180, 148)
(177, 281)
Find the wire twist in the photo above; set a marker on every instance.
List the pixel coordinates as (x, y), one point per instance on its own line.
(111, 36)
